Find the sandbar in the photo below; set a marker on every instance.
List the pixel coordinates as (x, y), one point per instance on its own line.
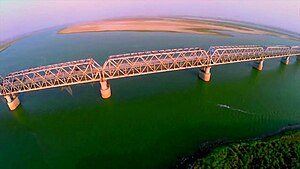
(179, 25)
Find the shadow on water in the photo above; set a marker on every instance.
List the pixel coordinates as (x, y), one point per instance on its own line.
(255, 76)
(25, 142)
(297, 63)
(20, 116)
(282, 69)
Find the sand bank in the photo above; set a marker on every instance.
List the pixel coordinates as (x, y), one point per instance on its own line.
(180, 25)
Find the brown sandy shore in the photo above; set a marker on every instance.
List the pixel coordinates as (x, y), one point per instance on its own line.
(180, 25)
(5, 45)
(9, 42)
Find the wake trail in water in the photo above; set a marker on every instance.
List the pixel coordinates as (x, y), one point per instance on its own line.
(234, 109)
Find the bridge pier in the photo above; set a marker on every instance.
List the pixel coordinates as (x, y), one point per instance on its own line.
(105, 89)
(259, 64)
(285, 60)
(204, 73)
(12, 101)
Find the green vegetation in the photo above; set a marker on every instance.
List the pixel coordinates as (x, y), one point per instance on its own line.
(277, 152)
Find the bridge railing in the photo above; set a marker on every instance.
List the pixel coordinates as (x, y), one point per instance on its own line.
(154, 61)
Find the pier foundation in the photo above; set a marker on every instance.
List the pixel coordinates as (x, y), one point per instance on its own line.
(12, 101)
(258, 64)
(285, 60)
(105, 89)
(204, 73)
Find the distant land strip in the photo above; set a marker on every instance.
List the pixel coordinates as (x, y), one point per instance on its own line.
(5, 45)
(179, 25)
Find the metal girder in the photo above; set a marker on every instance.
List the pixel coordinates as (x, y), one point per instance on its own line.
(233, 54)
(141, 63)
(277, 51)
(1, 85)
(295, 49)
(57, 75)
(134, 64)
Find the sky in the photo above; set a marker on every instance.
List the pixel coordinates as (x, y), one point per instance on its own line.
(18, 17)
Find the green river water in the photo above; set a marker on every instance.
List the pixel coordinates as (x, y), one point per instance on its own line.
(150, 120)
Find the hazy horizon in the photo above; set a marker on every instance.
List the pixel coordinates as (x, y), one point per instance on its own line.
(25, 16)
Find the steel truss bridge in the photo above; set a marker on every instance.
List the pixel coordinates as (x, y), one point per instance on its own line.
(135, 64)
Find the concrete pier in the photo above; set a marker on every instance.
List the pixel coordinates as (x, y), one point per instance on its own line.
(259, 64)
(12, 101)
(285, 60)
(105, 89)
(204, 73)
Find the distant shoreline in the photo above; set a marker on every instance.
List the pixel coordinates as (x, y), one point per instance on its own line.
(178, 25)
(6, 44)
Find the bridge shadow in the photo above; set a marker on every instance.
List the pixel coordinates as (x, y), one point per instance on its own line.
(296, 63)
(254, 76)
(20, 116)
(282, 69)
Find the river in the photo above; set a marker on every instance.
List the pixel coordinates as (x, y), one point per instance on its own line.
(150, 120)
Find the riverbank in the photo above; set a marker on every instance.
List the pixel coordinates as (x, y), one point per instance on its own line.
(5, 45)
(280, 149)
(179, 25)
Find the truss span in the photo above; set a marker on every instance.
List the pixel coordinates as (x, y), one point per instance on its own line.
(57, 75)
(141, 63)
